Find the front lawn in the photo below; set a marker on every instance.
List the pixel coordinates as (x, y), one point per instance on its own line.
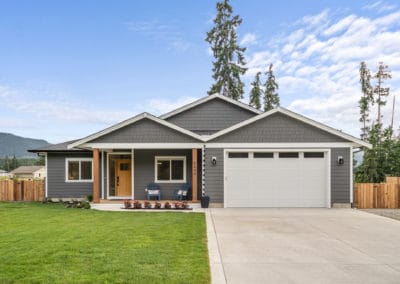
(48, 243)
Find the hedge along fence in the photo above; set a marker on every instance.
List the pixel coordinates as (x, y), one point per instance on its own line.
(22, 190)
(377, 195)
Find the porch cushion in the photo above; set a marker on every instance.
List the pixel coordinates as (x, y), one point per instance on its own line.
(153, 191)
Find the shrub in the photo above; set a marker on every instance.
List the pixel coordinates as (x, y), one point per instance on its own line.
(137, 205)
(147, 205)
(86, 206)
(157, 205)
(89, 197)
(179, 205)
(167, 205)
(127, 204)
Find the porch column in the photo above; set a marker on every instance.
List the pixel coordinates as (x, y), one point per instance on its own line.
(96, 179)
(194, 174)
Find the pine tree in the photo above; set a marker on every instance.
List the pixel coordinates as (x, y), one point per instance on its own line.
(229, 58)
(271, 97)
(381, 92)
(256, 92)
(14, 163)
(366, 99)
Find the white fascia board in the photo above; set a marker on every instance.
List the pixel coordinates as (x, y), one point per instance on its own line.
(280, 145)
(206, 99)
(142, 145)
(357, 142)
(130, 121)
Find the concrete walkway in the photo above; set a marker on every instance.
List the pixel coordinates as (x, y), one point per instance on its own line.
(302, 246)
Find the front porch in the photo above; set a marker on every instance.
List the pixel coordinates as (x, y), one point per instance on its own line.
(120, 174)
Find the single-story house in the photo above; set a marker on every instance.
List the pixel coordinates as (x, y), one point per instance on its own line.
(227, 150)
(4, 173)
(29, 172)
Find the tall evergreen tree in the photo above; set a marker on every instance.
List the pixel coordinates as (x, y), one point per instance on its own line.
(229, 58)
(366, 99)
(380, 92)
(256, 92)
(271, 96)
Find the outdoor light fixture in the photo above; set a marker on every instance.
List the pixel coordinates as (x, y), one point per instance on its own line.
(340, 160)
(214, 160)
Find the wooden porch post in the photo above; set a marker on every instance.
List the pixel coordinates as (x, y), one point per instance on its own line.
(194, 174)
(96, 179)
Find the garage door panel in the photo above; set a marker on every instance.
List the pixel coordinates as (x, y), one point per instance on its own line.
(276, 182)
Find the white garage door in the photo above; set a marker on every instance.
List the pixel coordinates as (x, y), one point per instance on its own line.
(265, 178)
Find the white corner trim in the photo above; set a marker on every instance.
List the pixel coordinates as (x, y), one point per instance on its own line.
(46, 186)
(133, 120)
(133, 174)
(206, 99)
(170, 158)
(358, 142)
(351, 177)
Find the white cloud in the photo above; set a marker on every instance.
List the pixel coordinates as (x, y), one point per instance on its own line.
(62, 110)
(318, 61)
(379, 6)
(339, 26)
(160, 32)
(248, 39)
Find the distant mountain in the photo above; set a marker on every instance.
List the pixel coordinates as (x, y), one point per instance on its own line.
(11, 145)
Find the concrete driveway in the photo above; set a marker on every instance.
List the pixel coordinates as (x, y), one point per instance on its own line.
(302, 246)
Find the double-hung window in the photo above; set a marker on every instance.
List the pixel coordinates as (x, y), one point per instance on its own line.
(79, 170)
(170, 169)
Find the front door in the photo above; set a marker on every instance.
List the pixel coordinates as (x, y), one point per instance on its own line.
(123, 178)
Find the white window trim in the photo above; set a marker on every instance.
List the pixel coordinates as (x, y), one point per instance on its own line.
(67, 160)
(170, 158)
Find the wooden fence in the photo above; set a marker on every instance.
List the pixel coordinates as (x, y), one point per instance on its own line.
(21, 190)
(377, 195)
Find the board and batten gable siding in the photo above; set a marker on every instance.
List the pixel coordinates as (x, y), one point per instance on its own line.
(277, 128)
(213, 115)
(144, 131)
(57, 187)
(144, 171)
(340, 176)
(214, 175)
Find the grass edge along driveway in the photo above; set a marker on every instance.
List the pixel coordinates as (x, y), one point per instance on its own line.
(49, 243)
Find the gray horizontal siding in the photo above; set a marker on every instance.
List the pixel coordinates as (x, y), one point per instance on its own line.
(145, 131)
(340, 176)
(212, 115)
(214, 183)
(57, 187)
(144, 172)
(278, 128)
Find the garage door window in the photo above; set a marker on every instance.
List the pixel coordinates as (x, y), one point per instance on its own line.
(238, 155)
(313, 154)
(263, 155)
(288, 154)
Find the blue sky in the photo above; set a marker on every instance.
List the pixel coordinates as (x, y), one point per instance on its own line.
(69, 68)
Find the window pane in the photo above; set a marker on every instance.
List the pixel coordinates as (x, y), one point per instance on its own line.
(73, 170)
(264, 155)
(314, 155)
(288, 155)
(124, 167)
(177, 170)
(163, 170)
(86, 170)
(238, 155)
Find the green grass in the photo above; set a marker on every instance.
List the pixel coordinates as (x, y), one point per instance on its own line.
(47, 243)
